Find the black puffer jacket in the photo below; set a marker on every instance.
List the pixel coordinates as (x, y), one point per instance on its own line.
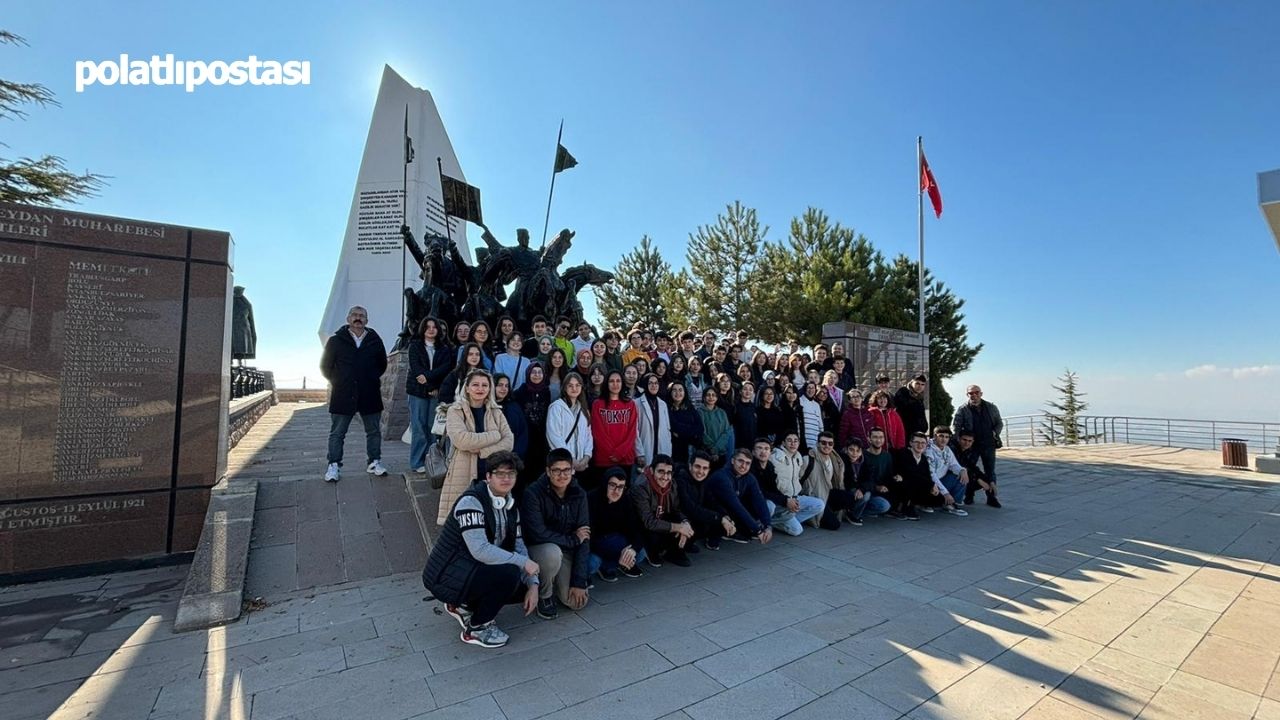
(354, 374)
(451, 567)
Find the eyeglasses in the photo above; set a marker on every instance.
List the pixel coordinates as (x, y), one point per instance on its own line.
(504, 474)
(827, 443)
(561, 472)
(617, 486)
(975, 392)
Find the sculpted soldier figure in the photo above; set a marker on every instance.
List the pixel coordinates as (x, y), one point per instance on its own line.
(244, 335)
(452, 290)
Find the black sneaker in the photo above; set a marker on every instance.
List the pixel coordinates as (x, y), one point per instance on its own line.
(691, 548)
(895, 515)
(911, 514)
(609, 576)
(712, 543)
(992, 501)
(634, 571)
(547, 609)
(678, 558)
(968, 499)
(653, 560)
(856, 522)
(739, 538)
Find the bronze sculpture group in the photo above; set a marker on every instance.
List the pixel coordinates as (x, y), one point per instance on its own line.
(454, 291)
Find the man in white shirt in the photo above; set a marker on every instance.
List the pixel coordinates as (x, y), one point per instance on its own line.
(949, 476)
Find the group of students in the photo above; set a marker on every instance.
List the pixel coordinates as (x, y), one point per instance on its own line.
(653, 451)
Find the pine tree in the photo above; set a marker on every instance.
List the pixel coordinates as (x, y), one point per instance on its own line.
(822, 272)
(1064, 427)
(636, 293)
(42, 181)
(715, 290)
(949, 349)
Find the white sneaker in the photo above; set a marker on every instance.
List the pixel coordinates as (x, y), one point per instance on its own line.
(421, 470)
(375, 468)
(332, 474)
(925, 509)
(956, 511)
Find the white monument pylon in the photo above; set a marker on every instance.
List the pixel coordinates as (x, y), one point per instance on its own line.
(370, 265)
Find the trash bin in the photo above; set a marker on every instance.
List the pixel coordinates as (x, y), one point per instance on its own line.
(1235, 453)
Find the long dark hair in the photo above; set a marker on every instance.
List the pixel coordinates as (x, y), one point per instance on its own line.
(605, 393)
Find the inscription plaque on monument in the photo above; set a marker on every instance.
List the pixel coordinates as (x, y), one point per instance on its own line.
(875, 351)
(114, 356)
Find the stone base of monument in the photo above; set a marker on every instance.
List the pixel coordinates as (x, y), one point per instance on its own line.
(426, 504)
(214, 591)
(1268, 464)
(395, 401)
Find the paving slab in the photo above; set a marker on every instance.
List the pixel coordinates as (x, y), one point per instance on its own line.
(1159, 598)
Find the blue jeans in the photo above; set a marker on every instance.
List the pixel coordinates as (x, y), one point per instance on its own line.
(422, 413)
(610, 549)
(875, 505)
(951, 482)
(338, 425)
(793, 523)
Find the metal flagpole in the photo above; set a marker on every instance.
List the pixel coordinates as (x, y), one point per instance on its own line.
(444, 206)
(404, 216)
(547, 221)
(924, 346)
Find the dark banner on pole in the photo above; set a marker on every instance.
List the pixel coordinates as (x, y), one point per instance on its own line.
(461, 200)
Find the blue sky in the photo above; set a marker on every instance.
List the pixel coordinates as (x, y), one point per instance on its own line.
(1097, 159)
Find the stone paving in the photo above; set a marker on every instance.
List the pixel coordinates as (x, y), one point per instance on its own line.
(307, 533)
(1101, 590)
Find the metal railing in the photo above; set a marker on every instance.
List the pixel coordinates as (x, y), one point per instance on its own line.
(1031, 431)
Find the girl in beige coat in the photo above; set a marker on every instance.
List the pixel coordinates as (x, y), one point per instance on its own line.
(468, 445)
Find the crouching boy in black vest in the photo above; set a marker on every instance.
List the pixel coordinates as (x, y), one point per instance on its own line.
(479, 562)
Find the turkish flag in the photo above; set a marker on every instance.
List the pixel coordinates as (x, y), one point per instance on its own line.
(929, 185)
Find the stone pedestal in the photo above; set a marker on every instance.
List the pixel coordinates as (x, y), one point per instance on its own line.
(114, 371)
(1268, 464)
(395, 401)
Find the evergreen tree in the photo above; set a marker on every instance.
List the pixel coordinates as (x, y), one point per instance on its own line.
(42, 181)
(822, 272)
(635, 295)
(949, 350)
(1064, 426)
(715, 290)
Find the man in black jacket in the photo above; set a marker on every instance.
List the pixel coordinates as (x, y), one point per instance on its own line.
(969, 457)
(699, 507)
(909, 402)
(735, 491)
(983, 419)
(558, 530)
(479, 561)
(353, 362)
(617, 539)
(918, 490)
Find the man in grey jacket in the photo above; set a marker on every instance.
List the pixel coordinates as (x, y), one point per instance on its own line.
(983, 420)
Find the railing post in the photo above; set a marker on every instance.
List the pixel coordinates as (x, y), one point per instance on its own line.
(1168, 433)
(1213, 429)
(1126, 431)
